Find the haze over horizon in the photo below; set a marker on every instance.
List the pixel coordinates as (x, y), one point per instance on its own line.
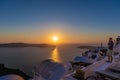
(73, 21)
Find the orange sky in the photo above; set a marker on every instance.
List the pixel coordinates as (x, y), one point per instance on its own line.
(46, 37)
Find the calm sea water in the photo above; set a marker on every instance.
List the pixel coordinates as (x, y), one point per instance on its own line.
(26, 58)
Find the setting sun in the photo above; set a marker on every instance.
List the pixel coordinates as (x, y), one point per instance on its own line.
(55, 38)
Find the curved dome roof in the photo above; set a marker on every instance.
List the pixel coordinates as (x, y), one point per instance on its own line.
(11, 77)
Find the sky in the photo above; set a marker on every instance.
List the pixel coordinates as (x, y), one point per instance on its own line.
(73, 21)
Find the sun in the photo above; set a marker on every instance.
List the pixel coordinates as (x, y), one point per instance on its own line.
(55, 38)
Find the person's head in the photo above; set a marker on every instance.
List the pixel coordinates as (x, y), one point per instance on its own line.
(110, 39)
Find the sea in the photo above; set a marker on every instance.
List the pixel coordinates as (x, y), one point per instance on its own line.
(27, 58)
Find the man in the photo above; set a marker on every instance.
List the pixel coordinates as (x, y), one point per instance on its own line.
(110, 47)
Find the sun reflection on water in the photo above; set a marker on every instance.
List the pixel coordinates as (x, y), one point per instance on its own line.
(55, 55)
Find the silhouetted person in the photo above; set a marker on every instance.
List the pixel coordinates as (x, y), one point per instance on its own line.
(110, 47)
(117, 41)
(101, 45)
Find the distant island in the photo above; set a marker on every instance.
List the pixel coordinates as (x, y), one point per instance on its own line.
(91, 47)
(87, 47)
(25, 45)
